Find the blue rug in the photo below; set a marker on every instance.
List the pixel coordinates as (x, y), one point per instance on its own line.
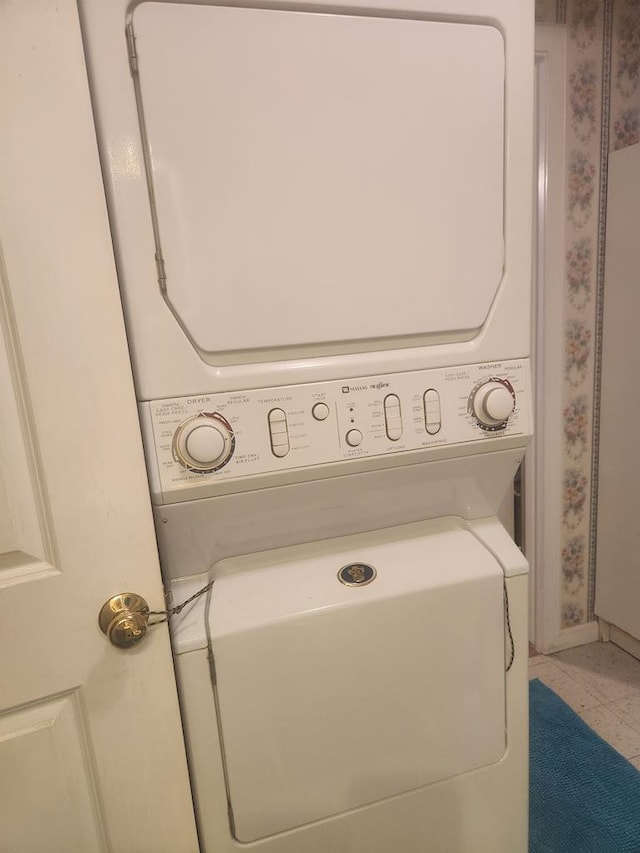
(584, 796)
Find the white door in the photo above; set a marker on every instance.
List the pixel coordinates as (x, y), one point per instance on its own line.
(91, 749)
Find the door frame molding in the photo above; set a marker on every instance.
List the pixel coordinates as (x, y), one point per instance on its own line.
(544, 459)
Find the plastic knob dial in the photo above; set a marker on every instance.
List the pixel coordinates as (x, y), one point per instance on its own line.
(492, 403)
(204, 442)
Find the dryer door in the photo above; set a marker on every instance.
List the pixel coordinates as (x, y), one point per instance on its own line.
(333, 696)
(322, 182)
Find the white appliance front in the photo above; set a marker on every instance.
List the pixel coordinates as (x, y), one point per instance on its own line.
(322, 224)
(216, 444)
(313, 178)
(326, 664)
(387, 715)
(305, 193)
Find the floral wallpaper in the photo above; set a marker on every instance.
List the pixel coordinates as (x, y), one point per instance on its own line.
(603, 110)
(625, 74)
(579, 271)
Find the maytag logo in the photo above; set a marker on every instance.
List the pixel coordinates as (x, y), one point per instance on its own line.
(347, 388)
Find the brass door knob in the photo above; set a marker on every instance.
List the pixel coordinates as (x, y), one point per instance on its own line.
(124, 619)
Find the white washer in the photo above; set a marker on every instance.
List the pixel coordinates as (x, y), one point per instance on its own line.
(322, 224)
(387, 716)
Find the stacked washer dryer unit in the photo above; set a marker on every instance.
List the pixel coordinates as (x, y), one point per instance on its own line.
(321, 217)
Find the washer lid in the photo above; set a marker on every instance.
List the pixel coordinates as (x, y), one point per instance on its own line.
(333, 696)
(323, 178)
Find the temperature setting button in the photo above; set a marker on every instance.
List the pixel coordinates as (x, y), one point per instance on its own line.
(492, 403)
(320, 411)
(393, 417)
(432, 413)
(204, 443)
(353, 437)
(279, 432)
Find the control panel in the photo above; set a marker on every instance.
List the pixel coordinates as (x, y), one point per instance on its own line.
(197, 444)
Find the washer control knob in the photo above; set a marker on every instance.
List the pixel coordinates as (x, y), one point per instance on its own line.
(204, 442)
(492, 403)
(354, 437)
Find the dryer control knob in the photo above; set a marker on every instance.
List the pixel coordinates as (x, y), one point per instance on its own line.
(204, 443)
(492, 403)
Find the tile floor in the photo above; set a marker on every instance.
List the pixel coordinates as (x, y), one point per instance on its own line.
(602, 684)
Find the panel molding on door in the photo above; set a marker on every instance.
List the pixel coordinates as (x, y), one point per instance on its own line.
(27, 542)
(44, 750)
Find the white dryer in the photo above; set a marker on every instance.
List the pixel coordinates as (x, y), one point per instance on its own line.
(322, 224)
(303, 191)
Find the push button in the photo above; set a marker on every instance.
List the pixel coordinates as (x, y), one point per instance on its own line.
(354, 437)
(393, 417)
(320, 411)
(432, 413)
(279, 432)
